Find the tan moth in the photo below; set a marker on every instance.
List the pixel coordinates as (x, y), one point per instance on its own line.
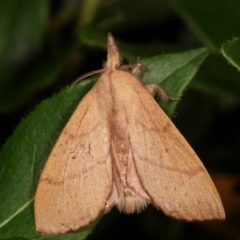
(120, 149)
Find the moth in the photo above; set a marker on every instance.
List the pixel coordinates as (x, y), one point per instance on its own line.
(120, 149)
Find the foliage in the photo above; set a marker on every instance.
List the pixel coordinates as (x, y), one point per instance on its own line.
(45, 45)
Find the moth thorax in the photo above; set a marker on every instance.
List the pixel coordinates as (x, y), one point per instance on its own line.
(131, 202)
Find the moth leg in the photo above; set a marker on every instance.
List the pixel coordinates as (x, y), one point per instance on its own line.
(157, 91)
(154, 89)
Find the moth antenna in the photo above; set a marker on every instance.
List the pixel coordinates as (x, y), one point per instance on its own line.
(87, 75)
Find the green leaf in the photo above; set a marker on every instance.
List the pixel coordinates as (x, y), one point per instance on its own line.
(16, 238)
(231, 51)
(21, 25)
(38, 79)
(22, 28)
(93, 36)
(173, 72)
(215, 22)
(23, 156)
(216, 76)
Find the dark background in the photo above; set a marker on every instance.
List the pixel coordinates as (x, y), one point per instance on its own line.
(46, 45)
